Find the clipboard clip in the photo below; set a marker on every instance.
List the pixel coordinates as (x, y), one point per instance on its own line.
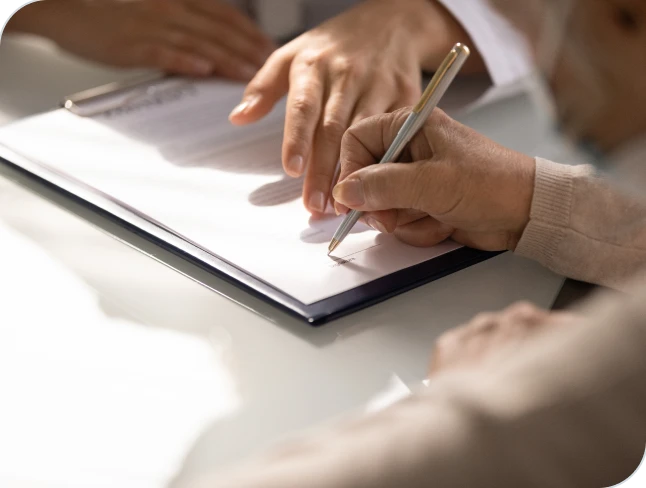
(120, 94)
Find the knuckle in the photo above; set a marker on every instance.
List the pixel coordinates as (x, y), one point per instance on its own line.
(333, 129)
(523, 307)
(342, 64)
(313, 58)
(303, 107)
(523, 311)
(346, 67)
(483, 322)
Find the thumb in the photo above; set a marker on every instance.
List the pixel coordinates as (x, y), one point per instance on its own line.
(364, 143)
(382, 187)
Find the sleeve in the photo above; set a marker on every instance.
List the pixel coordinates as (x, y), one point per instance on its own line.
(582, 227)
(566, 422)
(503, 49)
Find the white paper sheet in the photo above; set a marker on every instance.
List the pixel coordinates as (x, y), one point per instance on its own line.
(174, 156)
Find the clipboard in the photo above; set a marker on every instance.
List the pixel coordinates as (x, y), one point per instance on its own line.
(114, 95)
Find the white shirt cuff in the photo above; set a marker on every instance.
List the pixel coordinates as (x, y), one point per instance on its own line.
(503, 49)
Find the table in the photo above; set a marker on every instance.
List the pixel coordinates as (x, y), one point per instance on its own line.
(115, 369)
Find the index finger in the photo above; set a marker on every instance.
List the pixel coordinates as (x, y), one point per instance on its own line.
(304, 106)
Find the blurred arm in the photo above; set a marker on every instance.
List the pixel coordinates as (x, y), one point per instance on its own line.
(567, 410)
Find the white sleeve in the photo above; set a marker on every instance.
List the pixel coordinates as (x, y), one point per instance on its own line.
(503, 49)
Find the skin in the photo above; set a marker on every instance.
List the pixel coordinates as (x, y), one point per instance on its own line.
(461, 185)
(487, 334)
(188, 37)
(344, 71)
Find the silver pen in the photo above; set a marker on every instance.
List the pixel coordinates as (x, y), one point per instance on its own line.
(434, 92)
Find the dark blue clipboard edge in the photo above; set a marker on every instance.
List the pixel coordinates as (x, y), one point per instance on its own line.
(315, 314)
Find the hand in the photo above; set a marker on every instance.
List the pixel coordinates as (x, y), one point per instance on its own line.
(490, 334)
(459, 184)
(363, 62)
(189, 37)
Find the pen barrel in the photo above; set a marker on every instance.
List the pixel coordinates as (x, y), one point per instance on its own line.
(434, 92)
(403, 137)
(348, 223)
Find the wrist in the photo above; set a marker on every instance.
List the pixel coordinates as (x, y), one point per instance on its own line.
(523, 194)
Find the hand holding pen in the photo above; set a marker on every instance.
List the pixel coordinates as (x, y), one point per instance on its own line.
(434, 92)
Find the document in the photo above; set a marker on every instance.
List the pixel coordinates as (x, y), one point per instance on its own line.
(171, 154)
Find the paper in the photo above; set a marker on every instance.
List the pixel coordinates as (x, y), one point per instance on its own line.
(174, 156)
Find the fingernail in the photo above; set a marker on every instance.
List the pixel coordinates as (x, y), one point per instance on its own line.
(202, 66)
(317, 201)
(245, 105)
(350, 192)
(375, 224)
(295, 165)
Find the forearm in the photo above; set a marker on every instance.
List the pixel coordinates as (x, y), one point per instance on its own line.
(583, 228)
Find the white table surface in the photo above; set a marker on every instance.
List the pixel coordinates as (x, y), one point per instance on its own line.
(116, 370)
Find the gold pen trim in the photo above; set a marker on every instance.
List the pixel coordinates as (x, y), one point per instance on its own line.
(439, 75)
(333, 245)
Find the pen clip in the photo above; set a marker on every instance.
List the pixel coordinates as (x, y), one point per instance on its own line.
(459, 50)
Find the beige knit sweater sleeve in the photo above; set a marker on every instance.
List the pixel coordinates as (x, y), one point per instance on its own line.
(568, 410)
(582, 228)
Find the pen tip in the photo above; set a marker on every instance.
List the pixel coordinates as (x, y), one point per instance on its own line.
(333, 245)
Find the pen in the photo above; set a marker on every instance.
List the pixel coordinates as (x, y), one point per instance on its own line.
(434, 92)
